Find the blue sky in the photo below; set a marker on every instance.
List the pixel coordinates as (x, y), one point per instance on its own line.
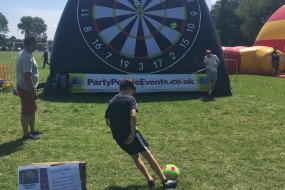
(49, 10)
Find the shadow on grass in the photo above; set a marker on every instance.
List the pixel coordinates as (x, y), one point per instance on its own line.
(105, 97)
(10, 147)
(130, 187)
(208, 98)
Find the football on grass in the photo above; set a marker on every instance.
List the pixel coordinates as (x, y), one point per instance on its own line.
(171, 172)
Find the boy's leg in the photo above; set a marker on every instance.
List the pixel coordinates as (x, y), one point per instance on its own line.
(167, 184)
(140, 165)
(154, 164)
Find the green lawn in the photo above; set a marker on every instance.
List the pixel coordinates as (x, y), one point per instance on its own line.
(233, 142)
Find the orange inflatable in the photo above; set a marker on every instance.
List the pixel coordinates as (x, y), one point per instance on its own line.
(272, 33)
(251, 60)
(257, 59)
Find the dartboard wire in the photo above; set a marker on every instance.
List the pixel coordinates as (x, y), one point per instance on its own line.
(151, 44)
(124, 71)
(108, 12)
(114, 30)
(164, 30)
(143, 3)
(198, 31)
(153, 3)
(126, 3)
(174, 13)
(171, 35)
(181, 78)
(130, 43)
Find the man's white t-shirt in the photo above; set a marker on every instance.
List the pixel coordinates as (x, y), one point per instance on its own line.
(26, 63)
(212, 62)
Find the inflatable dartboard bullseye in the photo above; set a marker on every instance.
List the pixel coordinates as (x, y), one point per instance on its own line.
(113, 37)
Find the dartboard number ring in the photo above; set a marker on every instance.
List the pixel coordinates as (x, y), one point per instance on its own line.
(139, 36)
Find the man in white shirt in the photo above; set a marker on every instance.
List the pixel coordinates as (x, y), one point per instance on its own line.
(27, 81)
(212, 63)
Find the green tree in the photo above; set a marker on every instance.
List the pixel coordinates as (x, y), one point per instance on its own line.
(227, 22)
(33, 26)
(254, 15)
(12, 40)
(3, 29)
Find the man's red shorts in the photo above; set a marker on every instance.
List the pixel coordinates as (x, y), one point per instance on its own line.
(29, 104)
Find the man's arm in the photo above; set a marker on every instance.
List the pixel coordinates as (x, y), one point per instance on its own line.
(28, 77)
(206, 61)
(133, 123)
(217, 60)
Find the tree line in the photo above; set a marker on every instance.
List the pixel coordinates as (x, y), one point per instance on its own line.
(28, 26)
(238, 22)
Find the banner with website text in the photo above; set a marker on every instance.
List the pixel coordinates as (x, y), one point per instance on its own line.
(84, 83)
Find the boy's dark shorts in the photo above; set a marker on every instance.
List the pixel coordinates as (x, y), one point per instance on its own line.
(29, 104)
(139, 144)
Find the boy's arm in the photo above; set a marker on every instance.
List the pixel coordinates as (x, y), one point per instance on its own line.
(133, 122)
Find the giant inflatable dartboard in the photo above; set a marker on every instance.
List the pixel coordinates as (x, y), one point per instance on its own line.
(139, 36)
(135, 36)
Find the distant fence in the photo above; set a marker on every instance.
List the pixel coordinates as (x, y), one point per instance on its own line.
(232, 67)
(8, 73)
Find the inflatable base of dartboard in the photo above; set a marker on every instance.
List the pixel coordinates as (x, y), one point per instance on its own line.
(145, 83)
(159, 43)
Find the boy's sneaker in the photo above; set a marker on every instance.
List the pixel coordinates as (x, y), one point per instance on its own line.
(169, 184)
(36, 133)
(151, 184)
(30, 136)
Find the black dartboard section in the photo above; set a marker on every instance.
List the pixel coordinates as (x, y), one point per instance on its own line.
(139, 36)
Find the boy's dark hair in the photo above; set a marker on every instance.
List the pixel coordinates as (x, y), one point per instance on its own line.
(127, 83)
(29, 40)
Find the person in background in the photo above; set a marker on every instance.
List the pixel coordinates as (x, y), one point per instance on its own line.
(27, 81)
(212, 63)
(275, 61)
(121, 119)
(45, 57)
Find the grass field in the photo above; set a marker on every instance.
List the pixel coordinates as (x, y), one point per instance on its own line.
(233, 142)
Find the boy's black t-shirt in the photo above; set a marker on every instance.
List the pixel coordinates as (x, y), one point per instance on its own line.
(119, 112)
